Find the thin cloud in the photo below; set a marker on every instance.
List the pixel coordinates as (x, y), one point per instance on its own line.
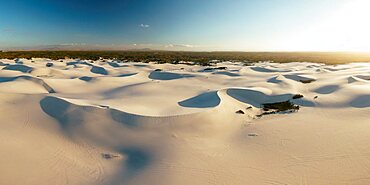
(8, 30)
(178, 46)
(73, 44)
(144, 25)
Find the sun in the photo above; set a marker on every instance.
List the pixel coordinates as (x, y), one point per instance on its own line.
(353, 23)
(344, 28)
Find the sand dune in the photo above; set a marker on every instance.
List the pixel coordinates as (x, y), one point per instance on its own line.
(159, 75)
(204, 100)
(25, 80)
(18, 67)
(98, 70)
(105, 122)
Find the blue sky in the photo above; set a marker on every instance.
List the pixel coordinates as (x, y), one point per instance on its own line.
(246, 25)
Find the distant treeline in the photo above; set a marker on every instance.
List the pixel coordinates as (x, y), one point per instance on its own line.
(196, 57)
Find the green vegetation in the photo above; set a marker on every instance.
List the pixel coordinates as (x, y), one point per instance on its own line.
(307, 81)
(215, 68)
(297, 96)
(280, 106)
(201, 58)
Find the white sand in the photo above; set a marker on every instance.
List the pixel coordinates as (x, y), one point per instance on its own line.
(100, 123)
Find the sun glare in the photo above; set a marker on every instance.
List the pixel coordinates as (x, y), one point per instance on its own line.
(345, 28)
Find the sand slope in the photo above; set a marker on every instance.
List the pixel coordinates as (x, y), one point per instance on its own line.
(108, 123)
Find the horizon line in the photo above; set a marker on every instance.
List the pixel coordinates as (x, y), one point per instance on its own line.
(195, 51)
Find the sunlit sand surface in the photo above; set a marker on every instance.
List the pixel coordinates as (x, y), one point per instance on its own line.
(105, 122)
